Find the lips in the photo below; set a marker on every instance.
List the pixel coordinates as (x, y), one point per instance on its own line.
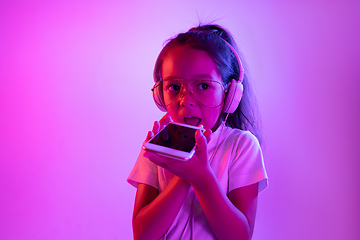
(194, 121)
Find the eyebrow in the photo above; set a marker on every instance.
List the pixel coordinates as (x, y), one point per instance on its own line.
(197, 76)
(204, 76)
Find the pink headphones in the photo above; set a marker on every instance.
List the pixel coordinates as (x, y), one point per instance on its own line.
(234, 92)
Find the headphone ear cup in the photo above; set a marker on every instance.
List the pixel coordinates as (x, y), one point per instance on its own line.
(158, 98)
(233, 96)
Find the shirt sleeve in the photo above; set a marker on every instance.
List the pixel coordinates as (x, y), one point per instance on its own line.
(248, 164)
(144, 171)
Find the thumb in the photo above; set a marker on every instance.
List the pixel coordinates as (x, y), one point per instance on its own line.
(201, 141)
(207, 134)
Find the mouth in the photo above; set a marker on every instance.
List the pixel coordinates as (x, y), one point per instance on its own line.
(194, 121)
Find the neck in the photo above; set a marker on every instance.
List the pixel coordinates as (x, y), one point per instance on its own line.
(220, 121)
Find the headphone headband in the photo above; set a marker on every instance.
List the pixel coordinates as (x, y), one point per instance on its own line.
(236, 88)
(241, 69)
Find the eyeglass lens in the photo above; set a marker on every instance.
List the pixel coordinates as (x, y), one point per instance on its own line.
(207, 92)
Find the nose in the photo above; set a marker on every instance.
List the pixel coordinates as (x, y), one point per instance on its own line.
(186, 97)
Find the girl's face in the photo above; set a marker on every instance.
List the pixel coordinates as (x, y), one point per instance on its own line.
(190, 65)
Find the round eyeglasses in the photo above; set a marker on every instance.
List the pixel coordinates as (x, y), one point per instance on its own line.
(209, 93)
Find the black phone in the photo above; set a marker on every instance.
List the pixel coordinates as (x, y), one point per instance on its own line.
(175, 140)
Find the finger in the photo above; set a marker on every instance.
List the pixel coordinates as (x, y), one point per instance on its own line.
(147, 154)
(207, 135)
(157, 159)
(201, 141)
(163, 165)
(156, 127)
(158, 163)
(165, 120)
(149, 135)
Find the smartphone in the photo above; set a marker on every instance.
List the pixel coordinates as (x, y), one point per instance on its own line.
(175, 140)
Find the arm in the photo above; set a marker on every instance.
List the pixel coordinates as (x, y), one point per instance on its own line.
(231, 217)
(245, 199)
(154, 212)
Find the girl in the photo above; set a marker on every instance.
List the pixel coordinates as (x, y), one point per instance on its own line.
(199, 80)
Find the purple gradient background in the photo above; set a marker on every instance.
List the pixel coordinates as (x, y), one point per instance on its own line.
(75, 105)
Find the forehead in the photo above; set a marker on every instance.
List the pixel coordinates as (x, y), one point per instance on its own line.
(186, 63)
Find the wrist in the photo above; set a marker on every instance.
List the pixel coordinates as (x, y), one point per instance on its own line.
(203, 178)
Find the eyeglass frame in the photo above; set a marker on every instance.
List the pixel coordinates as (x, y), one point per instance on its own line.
(162, 101)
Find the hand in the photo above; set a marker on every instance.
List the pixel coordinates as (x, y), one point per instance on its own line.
(191, 170)
(158, 125)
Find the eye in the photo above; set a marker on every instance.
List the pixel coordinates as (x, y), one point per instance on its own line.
(173, 87)
(203, 86)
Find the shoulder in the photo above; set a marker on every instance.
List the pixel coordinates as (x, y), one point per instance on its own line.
(243, 146)
(240, 151)
(241, 138)
(144, 171)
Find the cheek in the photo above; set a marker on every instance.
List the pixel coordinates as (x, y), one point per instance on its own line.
(211, 117)
(173, 113)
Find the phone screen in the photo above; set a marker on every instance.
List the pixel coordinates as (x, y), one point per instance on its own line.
(177, 137)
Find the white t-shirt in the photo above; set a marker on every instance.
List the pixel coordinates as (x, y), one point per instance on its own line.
(236, 159)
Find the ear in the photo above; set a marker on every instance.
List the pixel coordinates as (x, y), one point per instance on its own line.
(233, 96)
(158, 98)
